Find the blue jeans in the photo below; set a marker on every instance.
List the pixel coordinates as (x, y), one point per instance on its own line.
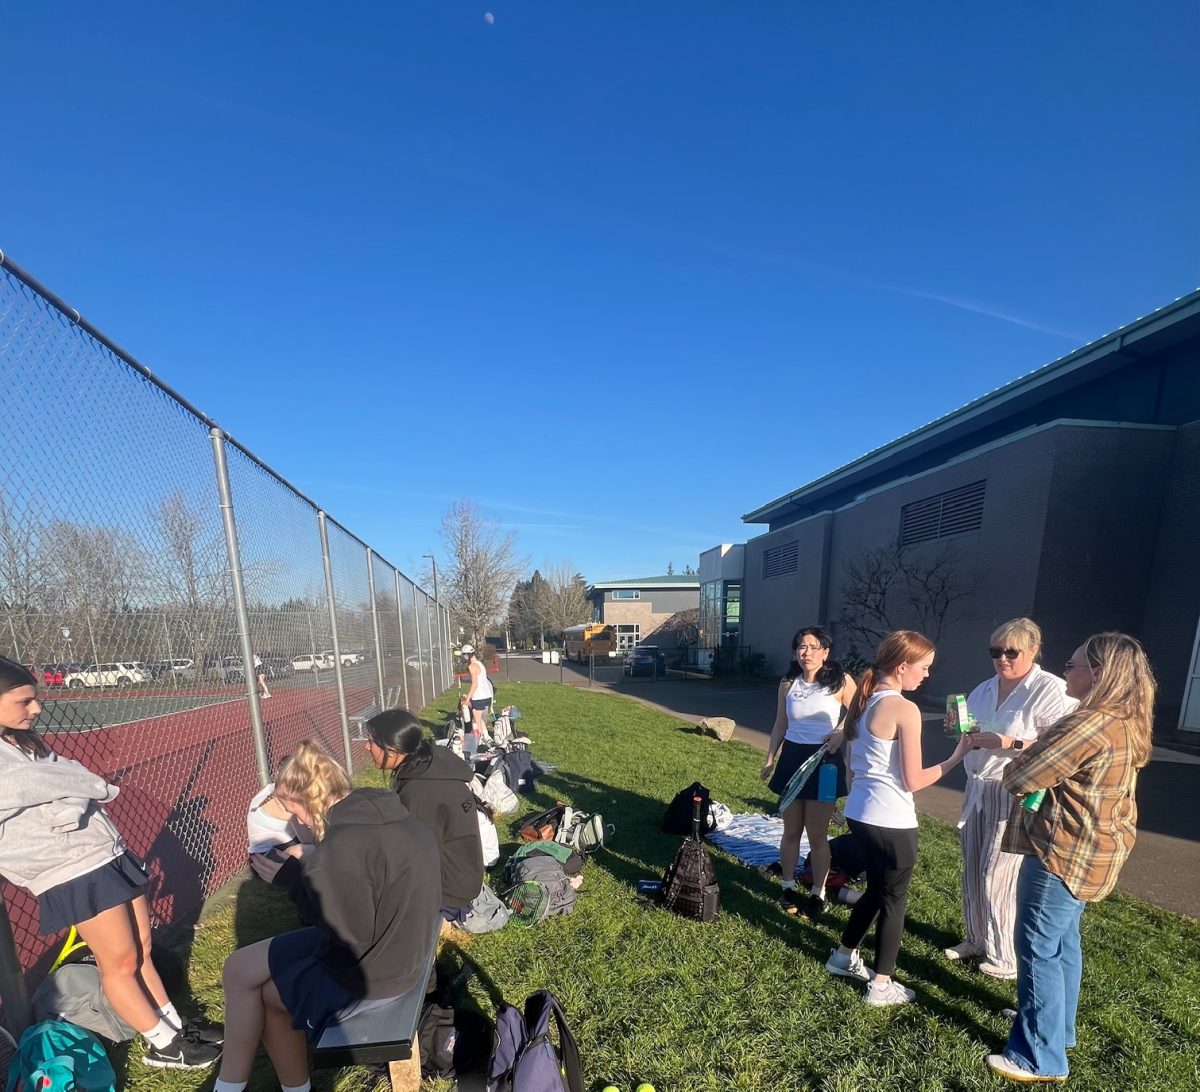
(1049, 967)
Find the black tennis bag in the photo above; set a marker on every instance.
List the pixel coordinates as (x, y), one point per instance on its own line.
(678, 816)
(690, 884)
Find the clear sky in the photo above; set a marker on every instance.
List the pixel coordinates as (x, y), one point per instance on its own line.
(619, 272)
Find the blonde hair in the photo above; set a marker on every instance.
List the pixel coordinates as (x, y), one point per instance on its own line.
(313, 778)
(1023, 633)
(903, 646)
(1124, 688)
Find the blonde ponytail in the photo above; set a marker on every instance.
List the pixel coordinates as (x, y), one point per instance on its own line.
(313, 778)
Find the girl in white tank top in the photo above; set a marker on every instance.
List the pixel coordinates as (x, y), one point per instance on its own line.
(878, 794)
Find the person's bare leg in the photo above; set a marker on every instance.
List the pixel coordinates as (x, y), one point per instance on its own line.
(146, 968)
(113, 938)
(245, 974)
(285, 1045)
(789, 844)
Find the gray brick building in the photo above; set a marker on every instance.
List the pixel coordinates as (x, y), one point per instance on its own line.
(1071, 495)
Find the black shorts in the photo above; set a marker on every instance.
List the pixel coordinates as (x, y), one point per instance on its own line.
(792, 757)
(307, 991)
(481, 703)
(119, 881)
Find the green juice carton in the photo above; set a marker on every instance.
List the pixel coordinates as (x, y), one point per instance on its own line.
(958, 720)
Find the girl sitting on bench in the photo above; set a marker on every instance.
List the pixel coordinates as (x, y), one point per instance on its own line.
(376, 880)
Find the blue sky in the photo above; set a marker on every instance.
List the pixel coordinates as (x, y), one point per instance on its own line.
(618, 272)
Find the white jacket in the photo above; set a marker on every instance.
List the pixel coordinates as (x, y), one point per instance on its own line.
(52, 825)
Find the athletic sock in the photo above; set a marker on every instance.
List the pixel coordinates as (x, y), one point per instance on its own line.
(230, 1086)
(788, 885)
(160, 1035)
(305, 1087)
(820, 893)
(168, 1013)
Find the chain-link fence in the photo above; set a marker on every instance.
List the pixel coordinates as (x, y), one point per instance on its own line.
(191, 615)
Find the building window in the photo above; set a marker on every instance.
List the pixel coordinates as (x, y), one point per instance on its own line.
(626, 593)
(627, 636)
(952, 513)
(780, 560)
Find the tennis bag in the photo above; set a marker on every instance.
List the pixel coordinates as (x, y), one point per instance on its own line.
(55, 1056)
(690, 884)
(572, 862)
(542, 827)
(525, 1058)
(583, 831)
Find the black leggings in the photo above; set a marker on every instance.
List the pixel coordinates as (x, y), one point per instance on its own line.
(890, 855)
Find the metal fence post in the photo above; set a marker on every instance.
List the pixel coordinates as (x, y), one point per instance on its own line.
(448, 666)
(14, 993)
(403, 656)
(333, 632)
(417, 627)
(239, 605)
(433, 684)
(375, 626)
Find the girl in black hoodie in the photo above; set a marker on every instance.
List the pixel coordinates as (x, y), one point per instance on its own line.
(374, 877)
(433, 783)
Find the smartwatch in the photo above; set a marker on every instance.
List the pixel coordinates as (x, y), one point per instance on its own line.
(1016, 745)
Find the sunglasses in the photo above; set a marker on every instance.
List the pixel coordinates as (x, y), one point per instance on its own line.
(1009, 654)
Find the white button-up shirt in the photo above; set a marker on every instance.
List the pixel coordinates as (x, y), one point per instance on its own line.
(1036, 702)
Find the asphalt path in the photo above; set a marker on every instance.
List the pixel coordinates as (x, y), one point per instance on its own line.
(1162, 869)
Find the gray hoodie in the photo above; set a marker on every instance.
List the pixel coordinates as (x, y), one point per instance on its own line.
(52, 827)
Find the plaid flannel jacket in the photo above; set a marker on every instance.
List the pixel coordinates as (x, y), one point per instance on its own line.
(1086, 825)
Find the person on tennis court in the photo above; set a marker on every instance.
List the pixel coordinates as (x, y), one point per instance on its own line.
(58, 843)
(375, 877)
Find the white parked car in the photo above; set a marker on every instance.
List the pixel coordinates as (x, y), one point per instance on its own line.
(312, 663)
(347, 657)
(99, 675)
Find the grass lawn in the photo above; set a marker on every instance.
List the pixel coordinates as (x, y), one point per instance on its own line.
(745, 1003)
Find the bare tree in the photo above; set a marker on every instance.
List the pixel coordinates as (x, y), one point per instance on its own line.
(891, 588)
(481, 568)
(563, 600)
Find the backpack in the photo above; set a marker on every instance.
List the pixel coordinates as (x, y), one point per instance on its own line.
(449, 1039)
(541, 890)
(73, 993)
(518, 764)
(584, 832)
(525, 1059)
(689, 884)
(55, 1056)
(572, 862)
(486, 913)
(493, 789)
(543, 826)
(678, 817)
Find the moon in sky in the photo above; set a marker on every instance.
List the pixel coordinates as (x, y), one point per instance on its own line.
(489, 18)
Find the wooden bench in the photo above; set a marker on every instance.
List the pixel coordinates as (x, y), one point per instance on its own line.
(387, 1033)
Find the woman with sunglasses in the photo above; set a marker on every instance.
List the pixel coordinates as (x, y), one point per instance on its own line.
(1074, 842)
(1011, 709)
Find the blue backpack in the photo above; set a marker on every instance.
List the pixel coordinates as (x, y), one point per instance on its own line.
(525, 1059)
(55, 1056)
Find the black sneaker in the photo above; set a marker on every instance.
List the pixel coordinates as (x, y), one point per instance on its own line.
(203, 1030)
(182, 1052)
(814, 906)
(789, 901)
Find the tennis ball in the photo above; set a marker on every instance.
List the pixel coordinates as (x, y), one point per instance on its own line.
(645, 1088)
(610, 1088)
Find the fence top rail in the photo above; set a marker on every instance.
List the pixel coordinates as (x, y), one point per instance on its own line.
(69, 312)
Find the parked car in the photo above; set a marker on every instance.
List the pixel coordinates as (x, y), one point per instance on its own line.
(417, 663)
(276, 666)
(100, 675)
(227, 669)
(181, 668)
(150, 668)
(645, 660)
(55, 674)
(347, 657)
(308, 662)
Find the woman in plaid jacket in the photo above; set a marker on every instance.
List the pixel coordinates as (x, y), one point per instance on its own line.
(1075, 841)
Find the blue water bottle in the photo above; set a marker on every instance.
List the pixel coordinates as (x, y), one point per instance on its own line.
(827, 783)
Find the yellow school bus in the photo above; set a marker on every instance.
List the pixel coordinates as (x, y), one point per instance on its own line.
(593, 639)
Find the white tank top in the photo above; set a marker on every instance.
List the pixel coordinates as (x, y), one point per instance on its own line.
(877, 794)
(812, 712)
(484, 687)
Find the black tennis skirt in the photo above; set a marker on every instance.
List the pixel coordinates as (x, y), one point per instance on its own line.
(308, 992)
(119, 881)
(792, 757)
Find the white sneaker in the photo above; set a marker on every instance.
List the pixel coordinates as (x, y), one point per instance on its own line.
(996, 971)
(891, 994)
(965, 950)
(850, 966)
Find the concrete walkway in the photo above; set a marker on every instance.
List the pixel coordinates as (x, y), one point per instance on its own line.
(1164, 867)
